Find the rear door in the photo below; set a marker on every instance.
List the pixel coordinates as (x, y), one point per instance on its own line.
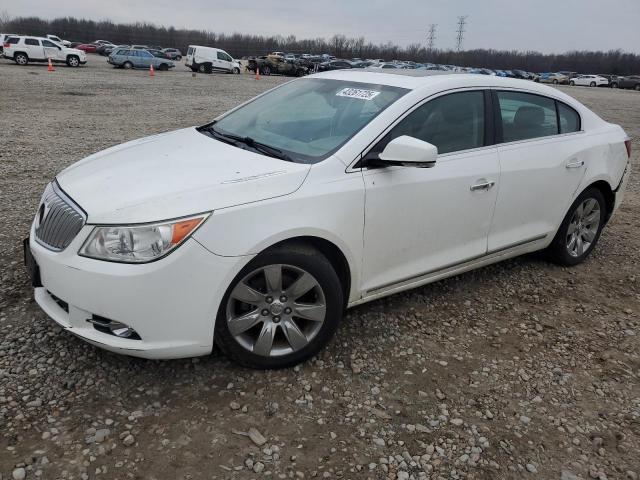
(189, 58)
(541, 166)
(34, 48)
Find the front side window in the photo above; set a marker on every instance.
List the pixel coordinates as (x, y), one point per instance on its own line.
(451, 122)
(311, 118)
(526, 116)
(47, 43)
(31, 41)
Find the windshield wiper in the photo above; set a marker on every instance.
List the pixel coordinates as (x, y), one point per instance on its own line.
(250, 142)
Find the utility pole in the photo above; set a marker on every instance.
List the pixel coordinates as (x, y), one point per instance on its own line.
(462, 21)
(431, 36)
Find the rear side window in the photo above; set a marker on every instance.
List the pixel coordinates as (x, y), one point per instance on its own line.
(31, 41)
(569, 119)
(526, 116)
(451, 122)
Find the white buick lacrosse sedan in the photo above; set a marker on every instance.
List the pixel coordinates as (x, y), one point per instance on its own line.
(257, 230)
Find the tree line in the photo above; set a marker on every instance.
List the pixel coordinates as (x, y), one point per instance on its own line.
(241, 45)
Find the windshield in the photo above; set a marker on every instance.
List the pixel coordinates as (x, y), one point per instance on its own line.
(309, 119)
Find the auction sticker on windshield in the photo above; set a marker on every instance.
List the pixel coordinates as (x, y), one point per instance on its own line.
(358, 93)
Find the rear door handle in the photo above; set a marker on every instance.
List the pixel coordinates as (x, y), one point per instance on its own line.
(575, 164)
(484, 185)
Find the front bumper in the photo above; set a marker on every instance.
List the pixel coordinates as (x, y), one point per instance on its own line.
(171, 303)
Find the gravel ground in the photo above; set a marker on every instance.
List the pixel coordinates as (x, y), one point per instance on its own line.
(519, 370)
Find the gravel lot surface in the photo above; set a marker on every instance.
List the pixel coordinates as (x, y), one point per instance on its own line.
(519, 370)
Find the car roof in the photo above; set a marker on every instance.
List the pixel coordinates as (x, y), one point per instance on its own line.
(414, 79)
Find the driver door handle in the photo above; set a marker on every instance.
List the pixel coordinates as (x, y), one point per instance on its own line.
(483, 185)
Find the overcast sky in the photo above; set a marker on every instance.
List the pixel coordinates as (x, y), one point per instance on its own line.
(543, 25)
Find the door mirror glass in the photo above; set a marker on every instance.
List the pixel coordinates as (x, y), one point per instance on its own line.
(409, 151)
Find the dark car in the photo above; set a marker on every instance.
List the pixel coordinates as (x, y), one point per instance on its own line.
(631, 81)
(275, 64)
(105, 49)
(157, 53)
(334, 65)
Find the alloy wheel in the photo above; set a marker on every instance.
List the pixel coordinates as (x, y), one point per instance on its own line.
(583, 227)
(276, 310)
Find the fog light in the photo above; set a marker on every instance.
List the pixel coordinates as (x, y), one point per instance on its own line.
(112, 327)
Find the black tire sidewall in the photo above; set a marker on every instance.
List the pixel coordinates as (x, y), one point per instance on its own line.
(21, 55)
(312, 262)
(70, 58)
(558, 248)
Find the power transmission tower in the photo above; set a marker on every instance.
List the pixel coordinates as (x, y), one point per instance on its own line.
(462, 21)
(431, 36)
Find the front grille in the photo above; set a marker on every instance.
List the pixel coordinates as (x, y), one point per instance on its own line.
(58, 220)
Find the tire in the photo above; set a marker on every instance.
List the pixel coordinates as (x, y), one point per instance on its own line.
(572, 83)
(73, 61)
(592, 84)
(236, 71)
(555, 81)
(178, 58)
(127, 65)
(567, 247)
(21, 59)
(614, 85)
(163, 67)
(266, 70)
(268, 313)
(637, 87)
(204, 68)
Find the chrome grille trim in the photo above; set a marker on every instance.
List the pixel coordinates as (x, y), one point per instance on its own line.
(58, 220)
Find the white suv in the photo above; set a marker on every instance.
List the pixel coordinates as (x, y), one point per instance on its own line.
(39, 49)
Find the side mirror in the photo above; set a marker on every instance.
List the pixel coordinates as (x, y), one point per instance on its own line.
(405, 151)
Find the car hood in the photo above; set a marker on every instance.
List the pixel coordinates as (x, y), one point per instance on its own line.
(172, 175)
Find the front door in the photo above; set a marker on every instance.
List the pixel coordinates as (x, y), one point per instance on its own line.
(421, 220)
(51, 50)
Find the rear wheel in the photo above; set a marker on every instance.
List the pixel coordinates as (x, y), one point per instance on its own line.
(555, 81)
(21, 58)
(73, 61)
(281, 309)
(127, 65)
(637, 87)
(580, 229)
(614, 85)
(266, 70)
(572, 83)
(204, 68)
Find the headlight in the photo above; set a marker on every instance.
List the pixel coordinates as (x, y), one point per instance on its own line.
(138, 243)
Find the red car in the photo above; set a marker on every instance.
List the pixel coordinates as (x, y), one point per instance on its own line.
(87, 47)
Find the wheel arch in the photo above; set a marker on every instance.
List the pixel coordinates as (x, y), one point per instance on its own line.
(330, 250)
(607, 192)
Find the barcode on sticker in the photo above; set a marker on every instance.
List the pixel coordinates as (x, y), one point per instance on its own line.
(358, 93)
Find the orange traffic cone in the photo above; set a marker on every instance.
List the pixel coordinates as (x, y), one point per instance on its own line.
(151, 72)
(257, 73)
(50, 67)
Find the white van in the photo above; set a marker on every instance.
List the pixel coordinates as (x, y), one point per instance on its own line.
(208, 59)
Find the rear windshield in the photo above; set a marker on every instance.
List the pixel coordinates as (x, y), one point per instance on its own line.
(311, 118)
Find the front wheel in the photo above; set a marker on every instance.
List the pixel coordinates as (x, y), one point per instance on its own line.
(580, 229)
(281, 309)
(637, 87)
(236, 70)
(127, 65)
(266, 70)
(555, 81)
(614, 85)
(73, 61)
(592, 84)
(572, 83)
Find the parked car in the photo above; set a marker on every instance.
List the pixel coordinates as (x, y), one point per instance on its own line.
(334, 65)
(57, 39)
(23, 49)
(139, 47)
(105, 49)
(129, 58)
(283, 212)
(632, 81)
(555, 78)
(157, 53)
(88, 47)
(208, 60)
(568, 74)
(173, 53)
(589, 81)
(275, 64)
